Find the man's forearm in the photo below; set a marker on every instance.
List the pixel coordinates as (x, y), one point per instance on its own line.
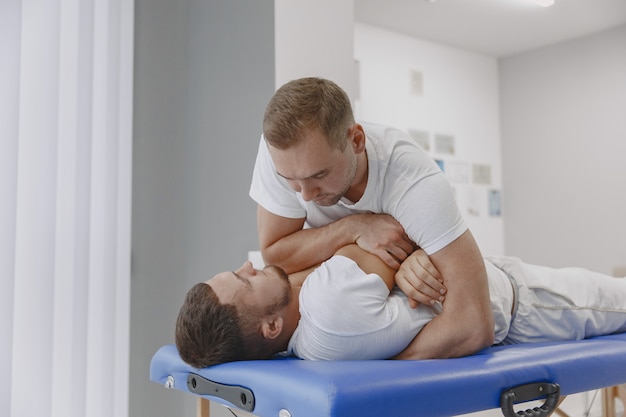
(286, 244)
(307, 247)
(439, 340)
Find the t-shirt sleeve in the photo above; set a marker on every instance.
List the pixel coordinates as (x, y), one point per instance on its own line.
(438, 222)
(417, 193)
(271, 191)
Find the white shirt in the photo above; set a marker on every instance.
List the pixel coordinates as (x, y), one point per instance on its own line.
(403, 181)
(347, 314)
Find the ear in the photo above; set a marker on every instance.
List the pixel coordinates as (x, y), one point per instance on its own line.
(272, 327)
(358, 138)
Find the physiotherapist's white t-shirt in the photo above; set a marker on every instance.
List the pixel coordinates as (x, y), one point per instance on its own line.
(403, 181)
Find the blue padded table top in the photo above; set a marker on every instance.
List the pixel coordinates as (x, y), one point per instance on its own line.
(441, 387)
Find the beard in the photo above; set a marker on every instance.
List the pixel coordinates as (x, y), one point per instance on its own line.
(285, 298)
(331, 200)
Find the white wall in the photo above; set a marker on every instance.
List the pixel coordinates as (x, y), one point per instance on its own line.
(564, 152)
(460, 98)
(315, 39)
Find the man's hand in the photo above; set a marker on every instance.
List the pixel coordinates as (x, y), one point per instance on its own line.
(420, 280)
(383, 236)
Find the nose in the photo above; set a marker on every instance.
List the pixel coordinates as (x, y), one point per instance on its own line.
(308, 192)
(246, 269)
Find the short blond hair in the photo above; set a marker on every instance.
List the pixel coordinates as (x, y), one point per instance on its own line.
(307, 104)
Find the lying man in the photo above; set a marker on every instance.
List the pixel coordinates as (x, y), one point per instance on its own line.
(348, 309)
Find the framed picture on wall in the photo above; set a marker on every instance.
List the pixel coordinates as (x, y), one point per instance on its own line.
(444, 144)
(422, 138)
(494, 203)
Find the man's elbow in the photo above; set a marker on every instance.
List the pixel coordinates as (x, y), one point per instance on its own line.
(272, 252)
(272, 255)
(482, 336)
(269, 258)
(487, 339)
(472, 344)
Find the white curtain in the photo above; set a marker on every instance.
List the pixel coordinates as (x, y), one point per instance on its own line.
(65, 200)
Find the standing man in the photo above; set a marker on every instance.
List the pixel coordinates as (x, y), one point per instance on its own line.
(323, 181)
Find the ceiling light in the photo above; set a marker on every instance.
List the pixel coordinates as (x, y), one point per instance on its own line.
(544, 3)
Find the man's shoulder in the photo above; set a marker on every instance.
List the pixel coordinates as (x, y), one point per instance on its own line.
(340, 277)
(391, 142)
(378, 131)
(333, 273)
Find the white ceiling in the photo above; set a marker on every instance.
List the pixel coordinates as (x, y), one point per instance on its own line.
(496, 28)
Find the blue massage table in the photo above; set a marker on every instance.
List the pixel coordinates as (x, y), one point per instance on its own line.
(498, 377)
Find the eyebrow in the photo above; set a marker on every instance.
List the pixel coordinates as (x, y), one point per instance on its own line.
(318, 173)
(242, 279)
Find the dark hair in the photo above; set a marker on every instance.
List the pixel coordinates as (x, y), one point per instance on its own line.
(306, 104)
(209, 332)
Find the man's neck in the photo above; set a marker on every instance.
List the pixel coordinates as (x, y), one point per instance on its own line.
(291, 317)
(297, 278)
(357, 189)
